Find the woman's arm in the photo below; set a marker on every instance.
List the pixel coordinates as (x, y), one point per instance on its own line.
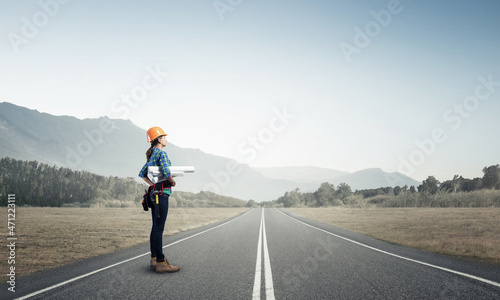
(148, 181)
(164, 165)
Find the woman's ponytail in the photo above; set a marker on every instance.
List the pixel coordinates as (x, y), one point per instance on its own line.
(150, 150)
(149, 153)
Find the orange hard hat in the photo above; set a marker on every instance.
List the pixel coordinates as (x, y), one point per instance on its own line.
(154, 132)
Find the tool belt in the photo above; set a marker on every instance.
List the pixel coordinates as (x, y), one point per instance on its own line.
(154, 190)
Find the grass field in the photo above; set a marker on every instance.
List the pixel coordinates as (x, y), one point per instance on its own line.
(472, 233)
(51, 237)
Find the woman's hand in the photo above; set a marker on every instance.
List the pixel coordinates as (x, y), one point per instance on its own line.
(171, 180)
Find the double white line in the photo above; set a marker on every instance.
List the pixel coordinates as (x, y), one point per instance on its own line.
(268, 275)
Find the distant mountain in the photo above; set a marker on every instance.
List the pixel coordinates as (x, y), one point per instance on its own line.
(375, 178)
(305, 177)
(117, 147)
(103, 146)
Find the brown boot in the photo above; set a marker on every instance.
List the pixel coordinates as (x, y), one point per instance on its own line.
(152, 264)
(165, 267)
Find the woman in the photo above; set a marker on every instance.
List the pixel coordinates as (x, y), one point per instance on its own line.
(160, 191)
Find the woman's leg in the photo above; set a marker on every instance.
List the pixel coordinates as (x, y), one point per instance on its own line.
(156, 236)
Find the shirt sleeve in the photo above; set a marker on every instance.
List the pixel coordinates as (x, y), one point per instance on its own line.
(165, 164)
(144, 171)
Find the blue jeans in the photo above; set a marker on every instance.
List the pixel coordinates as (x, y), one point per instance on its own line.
(156, 236)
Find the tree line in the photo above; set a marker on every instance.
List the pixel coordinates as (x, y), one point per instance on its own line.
(38, 184)
(459, 191)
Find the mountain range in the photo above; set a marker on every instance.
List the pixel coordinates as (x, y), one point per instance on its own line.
(115, 147)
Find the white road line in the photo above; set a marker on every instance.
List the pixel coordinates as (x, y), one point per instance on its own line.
(267, 264)
(268, 275)
(258, 264)
(401, 257)
(122, 262)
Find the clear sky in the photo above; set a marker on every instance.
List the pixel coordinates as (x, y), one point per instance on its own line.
(409, 86)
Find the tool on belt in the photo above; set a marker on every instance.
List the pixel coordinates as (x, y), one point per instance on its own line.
(156, 190)
(146, 202)
(157, 203)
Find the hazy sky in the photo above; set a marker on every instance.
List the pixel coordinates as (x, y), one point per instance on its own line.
(409, 86)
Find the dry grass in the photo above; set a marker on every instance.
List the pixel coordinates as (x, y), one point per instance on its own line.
(52, 237)
(472, 233)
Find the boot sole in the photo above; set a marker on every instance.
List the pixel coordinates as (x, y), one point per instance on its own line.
(161, 272)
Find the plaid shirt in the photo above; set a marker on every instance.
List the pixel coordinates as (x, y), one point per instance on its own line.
(160, 159)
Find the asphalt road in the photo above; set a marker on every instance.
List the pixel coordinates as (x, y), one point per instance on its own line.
(267, 254)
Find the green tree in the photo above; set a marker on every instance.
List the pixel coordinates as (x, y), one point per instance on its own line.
(452, 186)
(430, 185)
(343, 191)
(469, 185)
(397, 190)
(325, 195)
(491, 177)
(251, 203)
(290, 198)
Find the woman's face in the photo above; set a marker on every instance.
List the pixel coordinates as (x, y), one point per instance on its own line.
(163, 140)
